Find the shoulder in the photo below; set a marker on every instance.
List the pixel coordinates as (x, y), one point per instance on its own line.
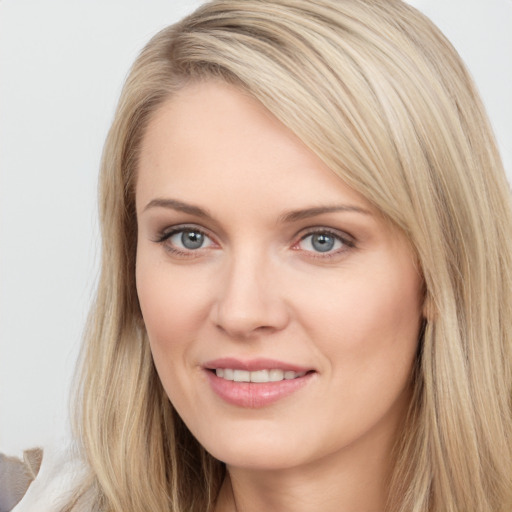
(59, 476)
(16, 475)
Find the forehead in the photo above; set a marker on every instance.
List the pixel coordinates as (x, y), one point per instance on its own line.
(213, 141)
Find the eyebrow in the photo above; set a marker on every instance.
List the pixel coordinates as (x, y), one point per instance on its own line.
(306, 213)
(287, 217)
(174, 204)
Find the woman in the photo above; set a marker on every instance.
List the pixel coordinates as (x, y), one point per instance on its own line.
(306, 274)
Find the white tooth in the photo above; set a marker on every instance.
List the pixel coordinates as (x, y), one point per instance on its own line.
(275, 375)
(241, 376)
(228, 374)
(259, 376)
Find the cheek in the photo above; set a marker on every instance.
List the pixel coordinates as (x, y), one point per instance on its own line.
(388, 305)
(370, 336)
(369, 326)
(158, 303)
(173, 306)
(170, 298)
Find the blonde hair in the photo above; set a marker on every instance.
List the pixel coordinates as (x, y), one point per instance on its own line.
(379, 94)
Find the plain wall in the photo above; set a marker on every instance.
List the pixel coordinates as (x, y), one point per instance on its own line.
(62, 64)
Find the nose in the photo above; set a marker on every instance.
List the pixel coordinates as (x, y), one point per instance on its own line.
(250, 300)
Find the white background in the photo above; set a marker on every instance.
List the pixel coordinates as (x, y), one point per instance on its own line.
(62, 64)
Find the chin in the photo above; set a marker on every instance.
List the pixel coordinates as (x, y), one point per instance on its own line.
(258, 459)
(257, 451)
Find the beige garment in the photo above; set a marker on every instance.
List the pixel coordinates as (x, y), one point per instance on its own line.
(62, 472)
(16, 476)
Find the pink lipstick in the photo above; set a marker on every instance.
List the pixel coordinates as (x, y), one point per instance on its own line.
(255, 383)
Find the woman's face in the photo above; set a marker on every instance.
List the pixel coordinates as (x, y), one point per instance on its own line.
(255, 262)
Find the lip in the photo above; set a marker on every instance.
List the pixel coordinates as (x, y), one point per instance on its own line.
(254, 365)
(253, 395)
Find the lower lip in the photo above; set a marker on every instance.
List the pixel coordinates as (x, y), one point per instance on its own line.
(254, 395)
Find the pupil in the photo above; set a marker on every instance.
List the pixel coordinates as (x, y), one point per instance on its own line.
(192, 239)
(322, 242)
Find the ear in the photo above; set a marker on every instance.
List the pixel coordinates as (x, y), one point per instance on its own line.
(429, 310)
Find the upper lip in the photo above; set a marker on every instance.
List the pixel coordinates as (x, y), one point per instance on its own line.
(254, 365)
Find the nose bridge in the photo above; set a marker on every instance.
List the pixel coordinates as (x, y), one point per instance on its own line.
(249, 298)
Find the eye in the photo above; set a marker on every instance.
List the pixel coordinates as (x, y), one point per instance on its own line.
(323, 242)
(184, 240)
(190, 239)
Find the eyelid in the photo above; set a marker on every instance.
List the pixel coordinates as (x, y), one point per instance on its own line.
(347, 240)
(164, 235)
(169, 231)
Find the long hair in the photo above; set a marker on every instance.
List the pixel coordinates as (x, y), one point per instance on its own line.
(377, 92)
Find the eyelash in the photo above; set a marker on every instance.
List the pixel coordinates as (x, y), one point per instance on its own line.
(165, 235)
(346, 240)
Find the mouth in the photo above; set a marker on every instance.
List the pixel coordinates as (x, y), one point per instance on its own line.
(257, 383)
(258, 376)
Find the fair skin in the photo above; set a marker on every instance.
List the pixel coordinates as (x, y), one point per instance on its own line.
(253, 255)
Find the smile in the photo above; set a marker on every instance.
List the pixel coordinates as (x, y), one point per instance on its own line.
(260, 376)
(256, 383)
